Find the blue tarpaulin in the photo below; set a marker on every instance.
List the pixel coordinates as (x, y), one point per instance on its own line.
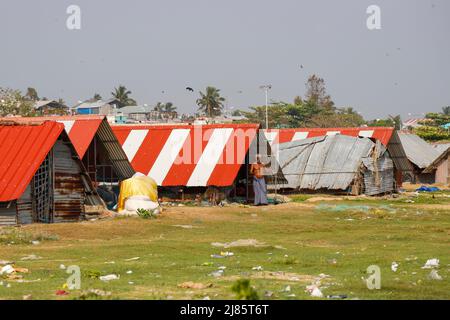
(428, 189)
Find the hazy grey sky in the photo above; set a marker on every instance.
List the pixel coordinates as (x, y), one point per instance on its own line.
(235, 45)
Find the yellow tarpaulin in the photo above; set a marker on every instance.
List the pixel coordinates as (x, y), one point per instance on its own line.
(137, 186)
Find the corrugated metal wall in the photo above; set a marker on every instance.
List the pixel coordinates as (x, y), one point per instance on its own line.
(25, 207)
(69, 196)
(117, 156)
(398, 154)
(7, 213)
(443, 171)
(379, 176)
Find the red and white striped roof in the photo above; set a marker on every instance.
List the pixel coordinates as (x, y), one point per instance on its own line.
(187, 155)
(81, 129)
(275, 136)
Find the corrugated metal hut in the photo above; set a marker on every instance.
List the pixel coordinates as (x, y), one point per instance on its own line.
(95, 143)
(337, 163)
(193, 156)
(420, 154)
(41, 177)
(387, 136)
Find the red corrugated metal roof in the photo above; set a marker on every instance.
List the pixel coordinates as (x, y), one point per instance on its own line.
(187, 155)
(287, 135)
(81, 129)
(22, 150)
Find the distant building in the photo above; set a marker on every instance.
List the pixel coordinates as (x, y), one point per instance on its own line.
(135, 113)
(143, 114)
(415, 123)
(49, 107)
(97, 107)
(441, 168)
(420, 154)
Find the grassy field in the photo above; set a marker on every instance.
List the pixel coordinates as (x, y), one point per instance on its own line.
(295, 244)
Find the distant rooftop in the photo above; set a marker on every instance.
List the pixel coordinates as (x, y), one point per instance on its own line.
(95, 103)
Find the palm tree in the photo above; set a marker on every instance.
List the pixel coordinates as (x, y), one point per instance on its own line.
(446, 110)
(32, 94)
(159, 107)
(169, 107)
(211, 103)
(397, 121)
(122, 94)
(97, 97)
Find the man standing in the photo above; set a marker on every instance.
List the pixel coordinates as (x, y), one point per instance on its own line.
(259, 183)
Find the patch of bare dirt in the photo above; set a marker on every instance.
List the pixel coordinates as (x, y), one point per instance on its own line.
(277, 275)
(240, 243)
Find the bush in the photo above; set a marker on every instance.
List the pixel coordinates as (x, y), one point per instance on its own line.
(244, 291)
(146, 214)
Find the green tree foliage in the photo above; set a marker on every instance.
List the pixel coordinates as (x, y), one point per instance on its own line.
(166, 110)
(432, 129)
(123, 95)
(12, 103)
(381, 123)
(316, 110)
(436, 119)
(278, 117)
(345, 117)
(211, 103)
(243, 290)
(236, 113)
(430, 133)
(169, 107)
(316, 93)
(391, 121)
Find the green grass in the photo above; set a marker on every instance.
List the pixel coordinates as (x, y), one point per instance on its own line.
(303, 241)
(408, 199)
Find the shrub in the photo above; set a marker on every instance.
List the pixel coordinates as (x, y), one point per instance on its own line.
(244, 291)
(146, 214)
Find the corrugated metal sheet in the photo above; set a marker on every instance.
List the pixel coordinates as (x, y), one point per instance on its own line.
(441, 147)
(22, 150)
(442, 157)
(8, 213)
(69, 193)
(329, 162)
(334, 163)
(82, 130)
(379, 176)
(418, 151)
(443, 168)
(25, 207)
(398, 154)
(387, 136)
(187, 155)
(116, 154)
(287, 135)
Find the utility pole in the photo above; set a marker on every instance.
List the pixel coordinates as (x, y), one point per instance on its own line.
(266, 89)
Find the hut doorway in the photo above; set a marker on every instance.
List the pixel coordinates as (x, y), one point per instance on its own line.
(41, 191)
